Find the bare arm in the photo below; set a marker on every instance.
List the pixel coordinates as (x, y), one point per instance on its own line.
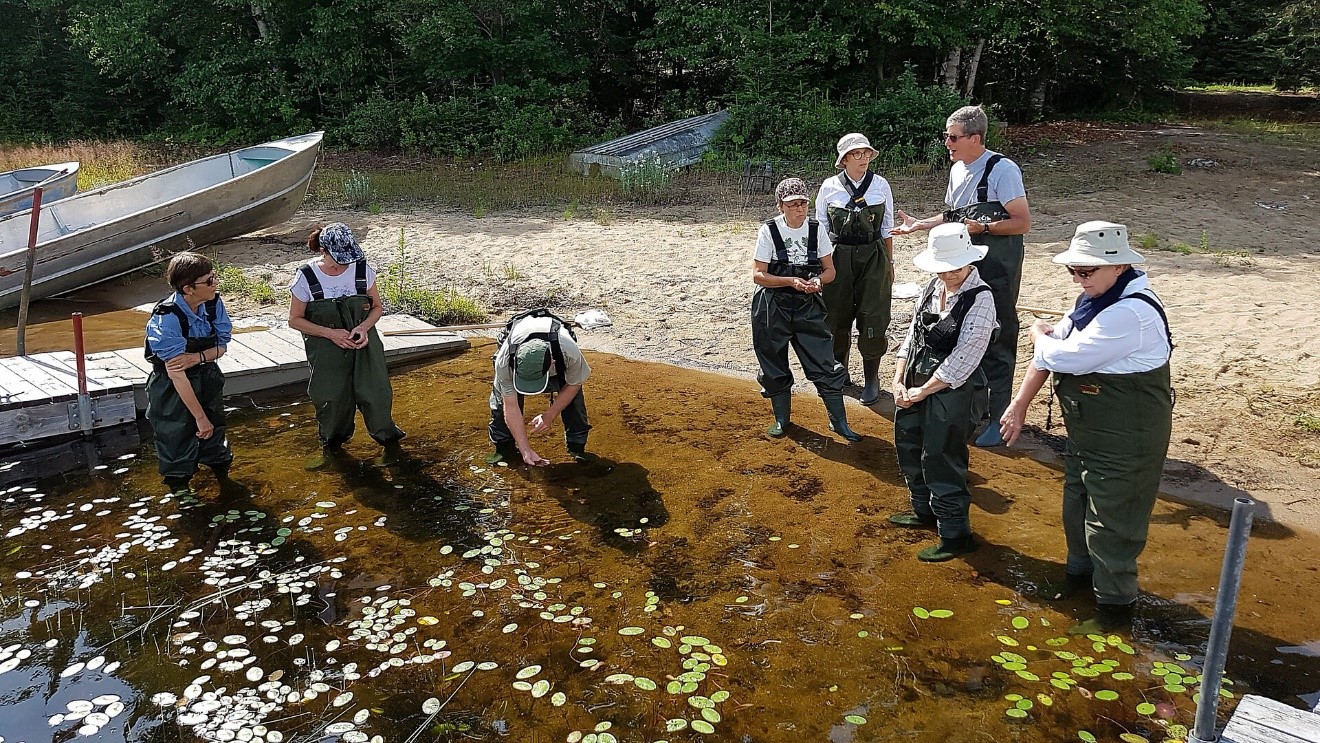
(761, 276)
(359, 334)
(513, 418)
(179, 378)
(1010, 424)
(910, 225)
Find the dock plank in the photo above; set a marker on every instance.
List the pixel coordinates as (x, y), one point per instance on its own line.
(277, 351)
(52, 382)
(17, 389)
(1261, 720)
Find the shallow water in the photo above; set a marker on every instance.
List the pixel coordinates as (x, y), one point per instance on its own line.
(261, 610)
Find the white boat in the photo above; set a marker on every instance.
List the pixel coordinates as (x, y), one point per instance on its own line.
(56, 182)
(120, 228)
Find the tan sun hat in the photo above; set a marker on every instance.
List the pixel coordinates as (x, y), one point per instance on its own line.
(948, 248)
(1099, 243)
(851, 142)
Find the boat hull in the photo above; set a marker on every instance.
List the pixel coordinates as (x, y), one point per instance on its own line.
(71, 257)
(56, 182)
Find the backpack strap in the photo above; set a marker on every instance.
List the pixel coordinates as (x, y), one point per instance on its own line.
(1153, 302)
(983, 188)
(313, 284)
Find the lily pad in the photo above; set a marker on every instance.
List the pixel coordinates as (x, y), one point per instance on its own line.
(1106, 695)
(920, 613)
(855, 719)
(703, 727)
(629, 631)
(675, 725)
(661, 642)
(645, 684)
(1086, 735)
(720, 696)
(710, 714)
(1145, 708)
(1021, 623)
(941, 613)
(1015, 713)
(528, 672)
(1006, 640)
(700, 702)
(1132, 738)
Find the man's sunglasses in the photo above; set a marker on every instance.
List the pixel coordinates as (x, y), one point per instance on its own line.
(1083, 273)
(947, 137)
(209, 281)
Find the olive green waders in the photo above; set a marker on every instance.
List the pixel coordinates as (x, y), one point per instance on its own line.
(1118, 436)
(345, 380)
(863, 282)
(178, 449)
(931, 441)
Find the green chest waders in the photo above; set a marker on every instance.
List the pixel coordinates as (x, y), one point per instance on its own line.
(1118, 436)
(1001, 268)
(863, 279)
(178, 450)
(344, 380)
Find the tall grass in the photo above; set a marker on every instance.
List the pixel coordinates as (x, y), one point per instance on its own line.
(400, 291)
(102, 162)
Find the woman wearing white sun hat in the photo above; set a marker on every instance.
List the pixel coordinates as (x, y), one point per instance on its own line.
(939, 389)
(1110, 359)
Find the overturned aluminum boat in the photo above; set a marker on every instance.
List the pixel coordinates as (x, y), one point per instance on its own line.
(114, 230)
(56, 182)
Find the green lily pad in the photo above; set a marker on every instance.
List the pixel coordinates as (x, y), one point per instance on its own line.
(1132, 738)
(719, 696)
(941, 613)
(920, 613)
(661, 642)
(1122, 676)
(1059, 684)
(645, 684)
(700, 702)
(1145, 708)
(629, 631)
(1013, 666)
(540, 689)
(710, 714)
(703, 727)
(694, 640)
(559, 699)
(1106, 695)
(1086, 735)
(1025, 704)
(674, 687)
(1175, 688)
(1021, 623)
(1013, 697)
(855, 719)
(1045, 699)
(1005, 639)
(1182, 656)
(528, 672)
(1013, 657)
(675, 725)
(1015, 713)
(1027, 675)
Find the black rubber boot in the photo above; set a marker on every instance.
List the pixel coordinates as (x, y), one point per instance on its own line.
(580, 454)
(870, 382)
(1072, 584)
(948, 549)
(913, 520)
(782, 405)
(179, 486)
(839, 417)
(391, 455)
(1108, 618)
(505, 452)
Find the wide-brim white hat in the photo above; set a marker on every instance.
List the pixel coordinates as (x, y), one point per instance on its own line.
(948, 248)
(850, 142)
(1099, 243)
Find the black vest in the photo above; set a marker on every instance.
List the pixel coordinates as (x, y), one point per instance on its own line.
(933, 337)
(780, 266)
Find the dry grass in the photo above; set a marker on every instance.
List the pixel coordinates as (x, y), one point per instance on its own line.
(102, 162)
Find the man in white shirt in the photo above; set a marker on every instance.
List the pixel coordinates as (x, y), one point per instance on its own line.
(1110, 359)
(538, 354)
(987, 194)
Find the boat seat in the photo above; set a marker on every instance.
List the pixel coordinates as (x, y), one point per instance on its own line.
(59, 223)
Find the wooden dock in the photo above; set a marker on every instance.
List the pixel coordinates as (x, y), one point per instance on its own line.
(1262, 720)
(38, 393)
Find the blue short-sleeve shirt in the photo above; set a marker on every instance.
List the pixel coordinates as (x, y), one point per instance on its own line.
(167, 340)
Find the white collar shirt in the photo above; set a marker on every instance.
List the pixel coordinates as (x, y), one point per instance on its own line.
(1127, 337)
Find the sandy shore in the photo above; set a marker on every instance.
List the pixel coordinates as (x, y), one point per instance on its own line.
(677, 283)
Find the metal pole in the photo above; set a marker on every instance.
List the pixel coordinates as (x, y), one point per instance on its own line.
(1221, 627)
(27, 275)
(86, 416)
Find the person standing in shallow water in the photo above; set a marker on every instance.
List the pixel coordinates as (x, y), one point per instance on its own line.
(858, 208)
(335, 305)
(986, 193)
(792, 265)
(187, 332)
(1110, 360)
(937, 385)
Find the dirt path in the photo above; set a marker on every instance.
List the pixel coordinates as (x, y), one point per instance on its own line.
(1240, 288)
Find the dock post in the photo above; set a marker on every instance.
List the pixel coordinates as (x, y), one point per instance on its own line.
(25, 297)
(1221, 627)
(86, 414)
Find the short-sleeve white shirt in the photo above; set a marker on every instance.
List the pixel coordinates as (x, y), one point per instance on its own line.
(795, 241)
(1005, 182)
(333, 287)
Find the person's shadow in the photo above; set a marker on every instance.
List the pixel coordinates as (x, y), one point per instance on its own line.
(615, 497)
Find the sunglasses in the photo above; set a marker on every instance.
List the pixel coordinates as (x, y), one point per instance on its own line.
(947, 137)
(209, 281)
(1083, 273)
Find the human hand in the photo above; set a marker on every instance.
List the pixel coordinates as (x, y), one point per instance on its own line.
(342, 338)
(813, 286)
(917, 394)
(541, 423)
(1010, 423)
(358, 336)
(1041, 328)
(182, 362)
(204, 427)
(532, 459)
(908, 226)
(900, 395)
(981, 228)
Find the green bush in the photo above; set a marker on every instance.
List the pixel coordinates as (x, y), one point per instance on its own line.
(1165, 161)
(235, 283)
(401, 292)
(903, 124)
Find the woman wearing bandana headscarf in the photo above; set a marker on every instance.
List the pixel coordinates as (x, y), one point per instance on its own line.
(1110, 360)
(335, 305)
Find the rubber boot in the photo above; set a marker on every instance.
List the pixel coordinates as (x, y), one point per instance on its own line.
(391, 454)
(913, 520)
(991, 435)
(948, 549)
(1072, 585)
(839, 417)
(1108, 618)
(180, 487)
(580, 454)
(847, 375)
(870, 382)
(782, 405)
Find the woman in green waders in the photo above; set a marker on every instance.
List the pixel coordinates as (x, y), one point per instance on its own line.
(335, 306)
(1110, 360)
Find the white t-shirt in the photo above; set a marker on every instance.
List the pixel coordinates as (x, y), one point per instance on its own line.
(334, 287)
(1004, 185)
(795, 240)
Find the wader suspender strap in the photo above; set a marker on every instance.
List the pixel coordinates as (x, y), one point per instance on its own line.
(857, 196)
(958, 313)
(556, 352)
(983, 188)
(206, 311)
(1168, 333)
(313, 284)
(360, 279)
(781, 250)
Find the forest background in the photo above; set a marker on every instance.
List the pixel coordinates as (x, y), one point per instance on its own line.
(507, 79)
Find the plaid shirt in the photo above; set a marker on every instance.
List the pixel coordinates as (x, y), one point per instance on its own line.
(974, 337)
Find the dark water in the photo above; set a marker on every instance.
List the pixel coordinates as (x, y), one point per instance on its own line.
(769, 596)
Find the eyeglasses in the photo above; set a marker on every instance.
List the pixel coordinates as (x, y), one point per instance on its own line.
(947, 137)
(209, 281)
(1083, 273)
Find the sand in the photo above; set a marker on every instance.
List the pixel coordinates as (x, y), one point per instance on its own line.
(1241, 298)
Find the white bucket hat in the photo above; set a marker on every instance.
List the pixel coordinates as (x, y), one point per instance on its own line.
(1099, 243)
(852, 142)
(948, 248)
